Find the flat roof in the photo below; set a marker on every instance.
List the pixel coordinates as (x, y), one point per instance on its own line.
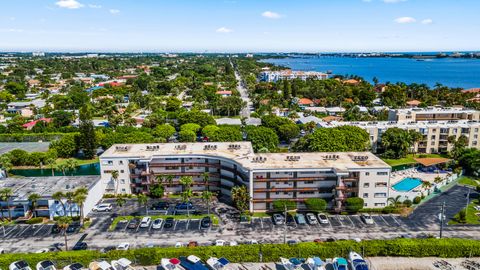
(431, 161)
(434, 110)
(46, 186)
(244, 155)
(26, 146)
(418, 124)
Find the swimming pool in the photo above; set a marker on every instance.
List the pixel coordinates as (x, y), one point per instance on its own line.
(407, 184)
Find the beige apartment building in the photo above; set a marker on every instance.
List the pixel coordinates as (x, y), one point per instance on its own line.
(268, 177)
(433, 114)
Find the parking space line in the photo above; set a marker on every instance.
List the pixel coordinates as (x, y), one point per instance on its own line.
(22, 231)
(339, 220)
(351, 222)
(394, 219)
(37, 230)
(384, 220)
(13, 229)
(175, 225)
(261, 223)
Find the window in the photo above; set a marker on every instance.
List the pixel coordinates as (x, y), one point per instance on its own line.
(433, 137)
(122, 181)
(123, 190)
(475, 136)
(474, 143)
(171, 158)
(382, 173)
(107, 162)
(307, 192)
(277, 193)
(476, 129)
(434, 130)
(432, 143)
(367, 173)
(308, 182)
(365, 205)
(122, 171)
(365, 195)
(285, 193)
(366, 185)
(380, 205)
(381, 184)
(380, 195)
(120, 162)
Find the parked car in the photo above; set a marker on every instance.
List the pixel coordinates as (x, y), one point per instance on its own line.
(74, 227)
(252, 242)
(169, 222)
(184, 207)
(157, 223)
(123, 246)
(103, 207)
(145, 223)
(290, 220)
(133, 224)
(367, 219)
(80, 246)
(160, 206)
(233, 243)
(108, 249)
(311, 219)
(192, 244)
(323, 219)
(206, 222)
(292, 242)
(220, 243)
(300, 218)
(278, 219)
(55, 228)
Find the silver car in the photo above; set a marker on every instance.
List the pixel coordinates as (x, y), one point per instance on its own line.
(367, 219)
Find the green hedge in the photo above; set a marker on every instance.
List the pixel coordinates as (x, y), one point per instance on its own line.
(31, 137)
(446, 248)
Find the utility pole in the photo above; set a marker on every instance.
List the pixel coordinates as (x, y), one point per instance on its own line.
(468, 202)
(285, 226)
(442, 218)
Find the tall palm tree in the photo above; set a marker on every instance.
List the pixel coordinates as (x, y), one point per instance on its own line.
(71, 164)
(186, 196)
(79, 199)
(169, 178)
(69, 199)
(120, 200)
(33, 198)
(241, 198)
(186, 182)
(437, 180)
(207, 197)
(63, 223)
(394, 201)
(143, 201)
(206, 179)
(62, 167)
(115, 180)
(59, 196)
(426, 185)
(6, 194)
(50, 162)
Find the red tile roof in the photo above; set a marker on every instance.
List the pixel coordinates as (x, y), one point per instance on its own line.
(31, 124)
(305, 101)
(224, 92)
(473, 90)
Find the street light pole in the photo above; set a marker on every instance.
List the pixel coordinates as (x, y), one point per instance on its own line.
(285, 226)
(468, 202)
(442, 218)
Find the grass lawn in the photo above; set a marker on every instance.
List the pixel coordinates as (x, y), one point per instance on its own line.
(79, 161)
(409, 159)
(261, 215)
(471, 218)
(468, 181)
(178, 217)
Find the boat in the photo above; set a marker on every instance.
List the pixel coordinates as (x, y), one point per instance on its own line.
(340, 264)
(357, 262)
(102, 265)
(122, 264)
(74, 266)
(19, 265)
(287, 264)
(46, 265)
(171, 264)
(217, 264)
(192, 263)
(315, 263)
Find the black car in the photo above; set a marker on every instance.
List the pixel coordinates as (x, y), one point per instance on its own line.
(80, 246)
(133, 224)
(55, 228)
(160, 206)
(72, 228)
(184, 206)
(168, 223)
(108, 249)
(290, 220)
(206, 222)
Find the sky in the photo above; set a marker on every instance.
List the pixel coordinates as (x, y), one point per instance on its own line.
(239, 25)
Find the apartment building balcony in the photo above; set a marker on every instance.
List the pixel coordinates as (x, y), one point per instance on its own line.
(210, 165)
(276, 199)
(260, 190)
(186, 174)
(351, 179)
(443, 138)
(286, 179)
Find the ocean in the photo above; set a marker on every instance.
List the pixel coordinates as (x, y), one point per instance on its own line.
(464, 73)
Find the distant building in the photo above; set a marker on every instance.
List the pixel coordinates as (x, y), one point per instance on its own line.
(31, 124)
(25, 108)
(433, 114)
(224, 93)
(273, 76)
(38, 54)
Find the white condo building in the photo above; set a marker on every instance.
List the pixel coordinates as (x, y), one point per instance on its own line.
(273, 76)
(269, 176)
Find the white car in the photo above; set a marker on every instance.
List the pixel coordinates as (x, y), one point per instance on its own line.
(145, 223)
(157, 224)
(103, 207)
(322, 218)
(311, 219)
(179, 245)
(367, 219)
(123, 246)
(233, 243)
(220, 243)
(252, 242)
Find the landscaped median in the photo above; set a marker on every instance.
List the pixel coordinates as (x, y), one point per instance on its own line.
(177, 217)
(446, 248)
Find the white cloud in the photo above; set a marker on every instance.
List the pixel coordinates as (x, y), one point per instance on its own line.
(70, 4)
(12, 30)
(427, 21)
(393, 1)
(367, 1)
(94, 6)
(114, 11)
(404, 20)
(271, 15)
(224, 30)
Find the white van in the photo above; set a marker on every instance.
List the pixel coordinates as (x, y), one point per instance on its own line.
(145, 223)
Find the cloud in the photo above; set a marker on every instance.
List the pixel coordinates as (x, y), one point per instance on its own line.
(11, 30)
(393, 1)
(404, 20)
(427, 21)
(271, 15)
(367, 1)
(94, 6)
(70, 4)
(224, 30)
(114, 11)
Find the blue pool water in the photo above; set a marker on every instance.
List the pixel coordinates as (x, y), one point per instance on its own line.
(407, 184)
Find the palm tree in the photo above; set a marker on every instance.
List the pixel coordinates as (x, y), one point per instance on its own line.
(63, 223)
(59, 196)
(6, 194)
(206, 178)
(62, 167)
(207, 197)
(186, 182)
(143, 200)
(394, 201)
(50, 162)
(115, 180)
(69, 199)
(120, 200)
(426, 185)
(5, 163)
(186, 196)
(437, 180)
(71, 164)
(79, 199)
(241, 198)
(33, 198)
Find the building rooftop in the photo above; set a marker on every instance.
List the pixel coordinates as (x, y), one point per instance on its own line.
(242, 153)
(429, 110)
(417, 124)
(46, 186)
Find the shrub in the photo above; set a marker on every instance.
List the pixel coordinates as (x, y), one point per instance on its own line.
(36, 220)
(279, 205)
(417, 200)
(407, 203)
(316, 204)
(354, 204)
